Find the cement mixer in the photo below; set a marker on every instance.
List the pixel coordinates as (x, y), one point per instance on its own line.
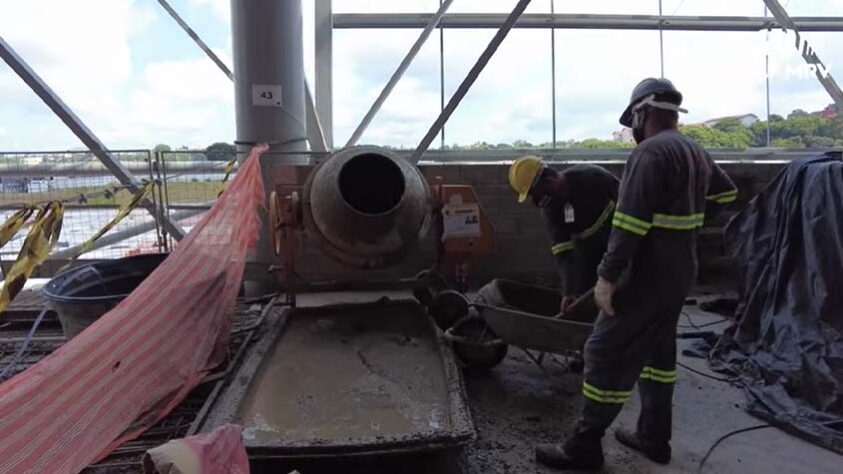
(366, 207)
(337, 379)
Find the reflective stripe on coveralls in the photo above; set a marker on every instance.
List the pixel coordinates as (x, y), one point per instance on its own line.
(723, 198)
(656, 375)
(604, 396)
(569, 244)
(662, 221)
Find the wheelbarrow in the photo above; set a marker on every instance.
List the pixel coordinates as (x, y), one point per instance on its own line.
(506, 313)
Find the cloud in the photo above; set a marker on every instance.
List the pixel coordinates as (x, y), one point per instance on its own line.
(220, 8)
(95, 55)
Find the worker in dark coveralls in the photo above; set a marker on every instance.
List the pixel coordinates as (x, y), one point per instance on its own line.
(577, 205)
(644, 279)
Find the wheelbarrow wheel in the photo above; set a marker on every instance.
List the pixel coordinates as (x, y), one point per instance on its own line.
(448, 307)
(476, 346)
(433, 283)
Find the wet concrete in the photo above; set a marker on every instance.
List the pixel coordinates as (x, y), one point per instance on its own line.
(356, 373)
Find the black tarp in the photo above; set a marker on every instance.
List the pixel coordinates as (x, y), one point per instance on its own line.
(788, 345)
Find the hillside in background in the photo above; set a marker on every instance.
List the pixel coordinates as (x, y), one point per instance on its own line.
(799, 130)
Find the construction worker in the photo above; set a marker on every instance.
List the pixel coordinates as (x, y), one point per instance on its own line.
(577, 204)
(644, 279)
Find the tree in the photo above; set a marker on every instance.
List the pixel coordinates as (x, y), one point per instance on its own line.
(788, 143)
(161, 147)
(220, 151)
(715, 138)
(797, 113)
(596, 143)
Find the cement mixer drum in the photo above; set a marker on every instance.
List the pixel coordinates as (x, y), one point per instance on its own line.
(367, 207)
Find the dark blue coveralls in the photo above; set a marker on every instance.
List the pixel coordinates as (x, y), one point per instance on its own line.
(580, 238)
(652, 258)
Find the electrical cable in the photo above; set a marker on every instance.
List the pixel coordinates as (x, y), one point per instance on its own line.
(722, 438)
(698, 326)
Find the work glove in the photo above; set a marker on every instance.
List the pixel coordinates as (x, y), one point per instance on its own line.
(567, 301)
(603, 292)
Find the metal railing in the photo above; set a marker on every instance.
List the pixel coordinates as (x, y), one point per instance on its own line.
(185, 185)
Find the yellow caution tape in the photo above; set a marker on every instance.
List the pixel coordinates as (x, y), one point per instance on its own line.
(40, 240)
(13, 224)
(124, 211)
(229, 168)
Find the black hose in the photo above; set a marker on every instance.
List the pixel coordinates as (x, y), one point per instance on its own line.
(722, 438)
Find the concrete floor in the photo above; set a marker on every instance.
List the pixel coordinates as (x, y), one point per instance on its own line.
(518, 405)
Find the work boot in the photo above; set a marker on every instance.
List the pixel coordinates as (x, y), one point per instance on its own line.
(554, 455)
(657, 453)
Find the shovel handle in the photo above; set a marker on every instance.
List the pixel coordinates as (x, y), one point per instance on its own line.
(578, 302)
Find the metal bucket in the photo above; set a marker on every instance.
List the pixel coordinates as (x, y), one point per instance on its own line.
(82, 294)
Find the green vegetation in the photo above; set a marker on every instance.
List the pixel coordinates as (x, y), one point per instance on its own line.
(799, 130)
(525, 145)
(221, 151)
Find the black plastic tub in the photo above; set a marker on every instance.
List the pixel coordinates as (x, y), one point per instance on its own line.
(82, 294)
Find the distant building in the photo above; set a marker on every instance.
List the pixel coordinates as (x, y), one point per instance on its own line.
(623, 135)
(745, 120)
(829, 112)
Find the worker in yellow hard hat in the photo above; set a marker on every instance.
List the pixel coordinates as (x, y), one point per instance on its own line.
(577, 204)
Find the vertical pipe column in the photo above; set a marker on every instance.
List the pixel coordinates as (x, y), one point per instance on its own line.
(269, 73)
(324, 47)
(269, 87)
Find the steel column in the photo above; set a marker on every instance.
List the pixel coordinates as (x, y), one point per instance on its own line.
(315, 134)
(442, 78)
(269, 91)
(324, 63)
(269, 73)
(396, 76)
(661, 41)
(472, 75)
(314, 130)
(75, 124)
(553, 76)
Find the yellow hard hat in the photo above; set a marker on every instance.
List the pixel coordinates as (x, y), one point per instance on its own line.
(523, 175)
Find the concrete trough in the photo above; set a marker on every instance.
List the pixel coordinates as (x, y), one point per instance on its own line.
(349, 379)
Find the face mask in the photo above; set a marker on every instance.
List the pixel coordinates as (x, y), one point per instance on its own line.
(638, 118)
(638, 134)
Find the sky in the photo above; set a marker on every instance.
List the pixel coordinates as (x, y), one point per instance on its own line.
(137, 80)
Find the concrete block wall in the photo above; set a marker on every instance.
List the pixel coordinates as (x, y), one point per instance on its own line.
(523, 246)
